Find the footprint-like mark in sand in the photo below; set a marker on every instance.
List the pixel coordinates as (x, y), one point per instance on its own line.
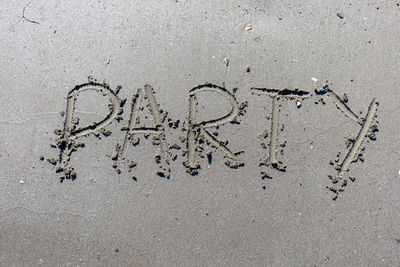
(67, 137)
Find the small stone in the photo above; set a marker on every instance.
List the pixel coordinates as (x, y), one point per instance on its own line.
(340, 15)
(226, 60)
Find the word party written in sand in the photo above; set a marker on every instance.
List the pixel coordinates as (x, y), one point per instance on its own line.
(195, 135)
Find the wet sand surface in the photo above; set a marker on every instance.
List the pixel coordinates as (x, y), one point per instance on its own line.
(188, 133)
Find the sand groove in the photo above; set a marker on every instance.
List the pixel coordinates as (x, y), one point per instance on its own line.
(67, 140)
(276, 94)
(197, 130)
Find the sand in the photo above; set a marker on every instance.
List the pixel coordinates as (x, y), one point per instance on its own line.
(183, 133)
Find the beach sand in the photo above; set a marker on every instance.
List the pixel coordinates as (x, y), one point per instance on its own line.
(210, 133)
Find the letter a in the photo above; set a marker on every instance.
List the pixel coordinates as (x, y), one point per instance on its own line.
(158, 130)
